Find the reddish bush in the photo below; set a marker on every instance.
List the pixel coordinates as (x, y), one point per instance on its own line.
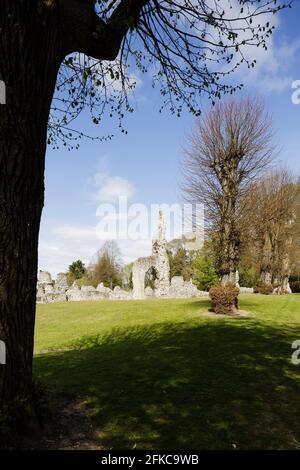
(224, 298)
(263, 288)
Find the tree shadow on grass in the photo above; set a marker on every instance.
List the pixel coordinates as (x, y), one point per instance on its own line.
(220, 385)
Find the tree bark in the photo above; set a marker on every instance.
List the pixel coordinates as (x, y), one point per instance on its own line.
(35, 37)
(28, 66)
(230, 237)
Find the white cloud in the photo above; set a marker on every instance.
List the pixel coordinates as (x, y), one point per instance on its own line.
(273, 71)
(275, 84)
(76, 232)
(274, 67)
(61, 245)
(133, 83)
(110, 188)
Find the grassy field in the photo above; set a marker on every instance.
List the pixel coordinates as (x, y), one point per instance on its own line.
(163, 374)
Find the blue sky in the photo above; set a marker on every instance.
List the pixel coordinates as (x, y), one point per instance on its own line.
(145, 164)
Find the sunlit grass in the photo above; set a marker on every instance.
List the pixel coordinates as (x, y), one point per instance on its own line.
(164, 374)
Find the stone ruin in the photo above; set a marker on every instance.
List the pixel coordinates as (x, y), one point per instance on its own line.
(159, 263)
(49, 290)
(58, 291)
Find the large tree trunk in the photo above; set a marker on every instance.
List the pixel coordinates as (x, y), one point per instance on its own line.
(29, 74)
(35, 36)
(266, 277)
(281, 283)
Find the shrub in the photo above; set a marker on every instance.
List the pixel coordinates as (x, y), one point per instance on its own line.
(248, 276)
(294, 277)
(205, 275)
(224, 298)
(264, 289)
(86, 281)
(77, 268)
(180, 263)
(295, 286)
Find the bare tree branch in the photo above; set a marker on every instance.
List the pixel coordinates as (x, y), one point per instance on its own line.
(190, 48)
(229, 149)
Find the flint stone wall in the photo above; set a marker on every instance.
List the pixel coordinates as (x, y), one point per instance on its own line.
(49, 291)
(246, 290)
(180, 288)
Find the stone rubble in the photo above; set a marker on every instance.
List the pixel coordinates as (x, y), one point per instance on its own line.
(49, 290)
(158, 261)
(180, 288)
(246, 290)
(58, 291)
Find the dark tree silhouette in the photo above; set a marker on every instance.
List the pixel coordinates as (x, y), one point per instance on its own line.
(77, 269)
(83, 49)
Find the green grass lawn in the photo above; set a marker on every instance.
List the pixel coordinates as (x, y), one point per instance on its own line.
(162, 374)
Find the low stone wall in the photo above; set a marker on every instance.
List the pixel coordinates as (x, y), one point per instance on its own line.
(179, 288)
(246, 290)
(58, 291)
(49, 291)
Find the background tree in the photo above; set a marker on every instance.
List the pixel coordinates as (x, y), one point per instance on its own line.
(204, 273)
(180, 263)
(77, 269)
(271, 227)
(295, 251)
(108, 265)
(248, 272)
(127, 276)
(230, 148)
(150, 278)
(90, 45)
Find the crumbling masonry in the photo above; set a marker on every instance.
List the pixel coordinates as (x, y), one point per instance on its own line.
(59, 291)
(158, 261)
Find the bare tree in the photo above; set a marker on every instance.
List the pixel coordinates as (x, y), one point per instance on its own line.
(272, 230)
(59, 57)
(107, 267)
(229, 148)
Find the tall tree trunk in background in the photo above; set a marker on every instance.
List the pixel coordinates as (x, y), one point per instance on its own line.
(266, 276)
(230, 238)
(285, 287)
(29, 75)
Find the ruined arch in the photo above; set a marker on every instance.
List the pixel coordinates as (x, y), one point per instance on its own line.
(139, 269)
(159, 261)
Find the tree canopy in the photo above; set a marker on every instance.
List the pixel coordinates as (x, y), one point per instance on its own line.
(230, 147)
(189, 47)
(77, 269)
